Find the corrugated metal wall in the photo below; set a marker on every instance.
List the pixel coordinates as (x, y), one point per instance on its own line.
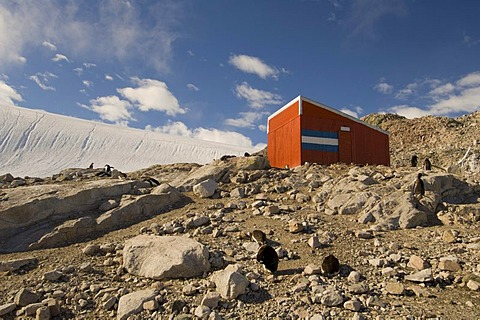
(322, 136)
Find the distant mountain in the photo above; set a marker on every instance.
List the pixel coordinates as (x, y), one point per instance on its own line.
(38, 143)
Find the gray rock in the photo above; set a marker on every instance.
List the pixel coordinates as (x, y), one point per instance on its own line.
(202, 312)
(132, 303)
(422, 276)
(332, 298)
(53, 275)
(211, 299)
(91, 249)
(417, 263)
(205, 189)
(160, 257)
(7, 308)
(353, 305)
(15, 264)
(395, 288)
(230, 284)
(42, 313)
(25, 297)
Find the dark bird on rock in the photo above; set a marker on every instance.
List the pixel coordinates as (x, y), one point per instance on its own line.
(91, 166)
(418, 186)
(427, 165)
(259, 237)
(414, 161)
(152, 181)
(268, 257)
(330, 264)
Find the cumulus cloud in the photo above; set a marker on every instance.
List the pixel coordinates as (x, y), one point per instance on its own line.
(59, 57)
(406, 92)
(192, 87)
(118, 30)
(41, 79)
(8, 95)
(111, 109)
(442, 90)
(472, 79)
(253, 65)
(49, 45)
(78, 71)
(383, 87)
(448, 99)
(257, 98)
(246, 119)
(214, 135)
(152, 95)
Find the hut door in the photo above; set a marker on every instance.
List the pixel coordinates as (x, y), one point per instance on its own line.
(345, 145)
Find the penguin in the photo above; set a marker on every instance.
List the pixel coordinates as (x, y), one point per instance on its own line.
(108, 169)
(414, 161)
(90, 166)
(259, 237)
(427, 165)
(330, 264)
(153, 182)
(418, 186)
(267, 256)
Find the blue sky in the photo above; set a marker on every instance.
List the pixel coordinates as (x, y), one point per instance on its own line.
(215, 69)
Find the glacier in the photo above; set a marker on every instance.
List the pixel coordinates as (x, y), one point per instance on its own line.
(37, 143)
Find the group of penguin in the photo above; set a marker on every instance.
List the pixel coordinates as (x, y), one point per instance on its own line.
(267, 255)
(418, 185)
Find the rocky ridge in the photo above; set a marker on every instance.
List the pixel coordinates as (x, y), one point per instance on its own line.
(401, 256)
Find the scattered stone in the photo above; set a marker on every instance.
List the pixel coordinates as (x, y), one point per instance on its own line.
(364, 234)
(205, 189)
(473, 285)
(7, 308)
(417, 263)
(15, 264)
(449, 236)
(42, 313)
(25, 297)
(353, 305)
(53, 275)
(354, 277)
(359, 288)
(424, 275)
(230, 284)
(312, 269)
(314, 242)
(449, 264)
(132, 303)
(150, 305)
(295, 226)
(395, 288)
(332, 298)
(211, 299)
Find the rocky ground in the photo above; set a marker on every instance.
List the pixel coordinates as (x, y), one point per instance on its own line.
(400, 257)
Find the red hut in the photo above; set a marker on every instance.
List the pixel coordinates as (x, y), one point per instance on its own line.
(307, 131)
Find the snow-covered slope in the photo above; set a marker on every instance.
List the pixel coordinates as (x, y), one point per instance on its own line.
(38, 143)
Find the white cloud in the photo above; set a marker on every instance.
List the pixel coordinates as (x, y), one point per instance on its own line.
(353, 113)
(262, 127)
(111, 109)
(246, 120)
(49, 45)
(472, 79)
(59, 57)
(409, 112)
(192, 87)
(41, 79)
(108, 77)
(406, 92)
(383, 87)
(214, 135)
(118, 30)
(253, 65)
(8, 95)
(89, 65)
(257, 98)
(442, 90)
(467, 100)
(152, 95)
(87, 83)
(78, 71)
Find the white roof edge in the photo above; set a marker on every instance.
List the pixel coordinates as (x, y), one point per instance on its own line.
(301, 98)
(298, 98)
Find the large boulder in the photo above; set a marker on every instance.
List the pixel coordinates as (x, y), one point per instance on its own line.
(160, 257)
(230, 283)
